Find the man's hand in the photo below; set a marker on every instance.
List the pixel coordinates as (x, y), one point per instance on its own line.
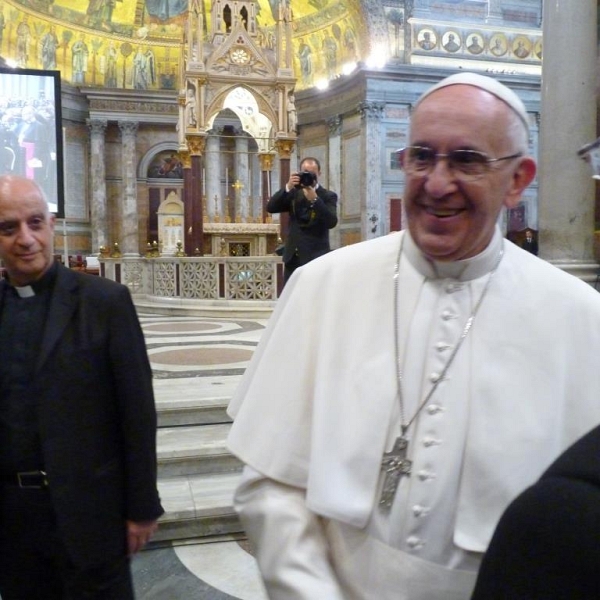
(138, 534)
(310, 194)
(293, 181)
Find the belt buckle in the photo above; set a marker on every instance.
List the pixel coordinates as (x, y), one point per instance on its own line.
(39, 477)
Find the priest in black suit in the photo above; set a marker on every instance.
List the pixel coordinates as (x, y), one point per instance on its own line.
(78, 490)
(530, 243)
(312, 213)
(546, 545)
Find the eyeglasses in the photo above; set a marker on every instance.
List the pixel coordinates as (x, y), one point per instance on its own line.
(465, 165)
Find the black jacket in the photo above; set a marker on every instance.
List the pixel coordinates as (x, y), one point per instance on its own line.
(96, 414)
(547, 544)
(308, 234)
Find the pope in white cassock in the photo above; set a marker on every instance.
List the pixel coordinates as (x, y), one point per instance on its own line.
(407, 388)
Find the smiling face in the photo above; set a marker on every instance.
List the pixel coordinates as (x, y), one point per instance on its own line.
(26, 230)
(447, 218)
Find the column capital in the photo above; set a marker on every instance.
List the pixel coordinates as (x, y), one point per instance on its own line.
(196, 144)
(284, 147)
(128, 127)
(186, 159)
(335, 125)
(371, 110)
(266, 161)
(97, 126)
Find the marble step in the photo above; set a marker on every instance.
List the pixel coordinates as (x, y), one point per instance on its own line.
(197, 506)
(192, 450)
(215, 309)
(193, 400)
(203, 411)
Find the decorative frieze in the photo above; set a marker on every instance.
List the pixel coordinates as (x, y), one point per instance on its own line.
(129, 106)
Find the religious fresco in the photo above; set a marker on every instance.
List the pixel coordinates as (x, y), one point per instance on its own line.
(326, 41)
(135, 44)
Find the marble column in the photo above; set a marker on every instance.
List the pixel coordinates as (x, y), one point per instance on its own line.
(193, 213)
(212, 176)
(98, 207)
(255, 184)
(129, 210)
(372, 209)
(266, 165)
(188, 213)
(334, 178)
(241, 178)
(568, 121)
(285, 148)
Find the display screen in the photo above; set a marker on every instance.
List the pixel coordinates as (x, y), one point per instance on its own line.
(31, 132)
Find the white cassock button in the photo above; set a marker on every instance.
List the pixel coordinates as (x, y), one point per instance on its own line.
(434, 409)
(453, 287)
(428, 442)
(414, 543)
(419, 511)
(434, 377)
(447, 315)
(424, 475)
(441, 346)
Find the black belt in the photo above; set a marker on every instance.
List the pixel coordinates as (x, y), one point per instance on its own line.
(26, 479)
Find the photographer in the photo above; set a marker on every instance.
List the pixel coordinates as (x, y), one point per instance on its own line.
(312, 211)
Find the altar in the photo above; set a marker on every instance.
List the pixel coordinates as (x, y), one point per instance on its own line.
(240, 239)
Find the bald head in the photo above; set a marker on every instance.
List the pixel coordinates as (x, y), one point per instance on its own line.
(15, 188)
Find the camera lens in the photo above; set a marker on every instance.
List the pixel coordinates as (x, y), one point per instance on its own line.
(307, 179)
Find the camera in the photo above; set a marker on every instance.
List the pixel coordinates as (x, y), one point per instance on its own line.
(307, 179)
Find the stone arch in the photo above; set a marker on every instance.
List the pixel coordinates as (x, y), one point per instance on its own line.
(146, 160)
(218, 103)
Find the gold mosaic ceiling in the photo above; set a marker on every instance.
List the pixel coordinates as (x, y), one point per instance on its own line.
(42, 34)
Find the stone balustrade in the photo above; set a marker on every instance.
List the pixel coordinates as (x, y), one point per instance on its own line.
(198, 278)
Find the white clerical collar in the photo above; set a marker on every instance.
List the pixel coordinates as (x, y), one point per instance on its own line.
(25, 291)
(462, 270)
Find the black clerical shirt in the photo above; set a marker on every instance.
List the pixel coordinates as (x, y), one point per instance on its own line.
(22, 322)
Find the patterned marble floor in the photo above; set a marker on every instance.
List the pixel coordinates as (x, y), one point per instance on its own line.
(214, 571)
(192, 356)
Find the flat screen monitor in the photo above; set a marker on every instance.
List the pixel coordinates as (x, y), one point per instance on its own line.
(31, 131)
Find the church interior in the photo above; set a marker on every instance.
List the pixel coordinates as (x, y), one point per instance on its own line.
(180, 118)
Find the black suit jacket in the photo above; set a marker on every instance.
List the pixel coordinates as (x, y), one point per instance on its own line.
(530, 246)
(547, 543)
(308, 234)
(96, 414)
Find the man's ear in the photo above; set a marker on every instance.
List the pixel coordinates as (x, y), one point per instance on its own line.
(523, 175)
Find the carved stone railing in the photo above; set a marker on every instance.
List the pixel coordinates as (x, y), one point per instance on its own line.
(198, 278)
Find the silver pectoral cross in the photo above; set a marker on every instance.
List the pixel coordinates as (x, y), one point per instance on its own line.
(395, 464)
